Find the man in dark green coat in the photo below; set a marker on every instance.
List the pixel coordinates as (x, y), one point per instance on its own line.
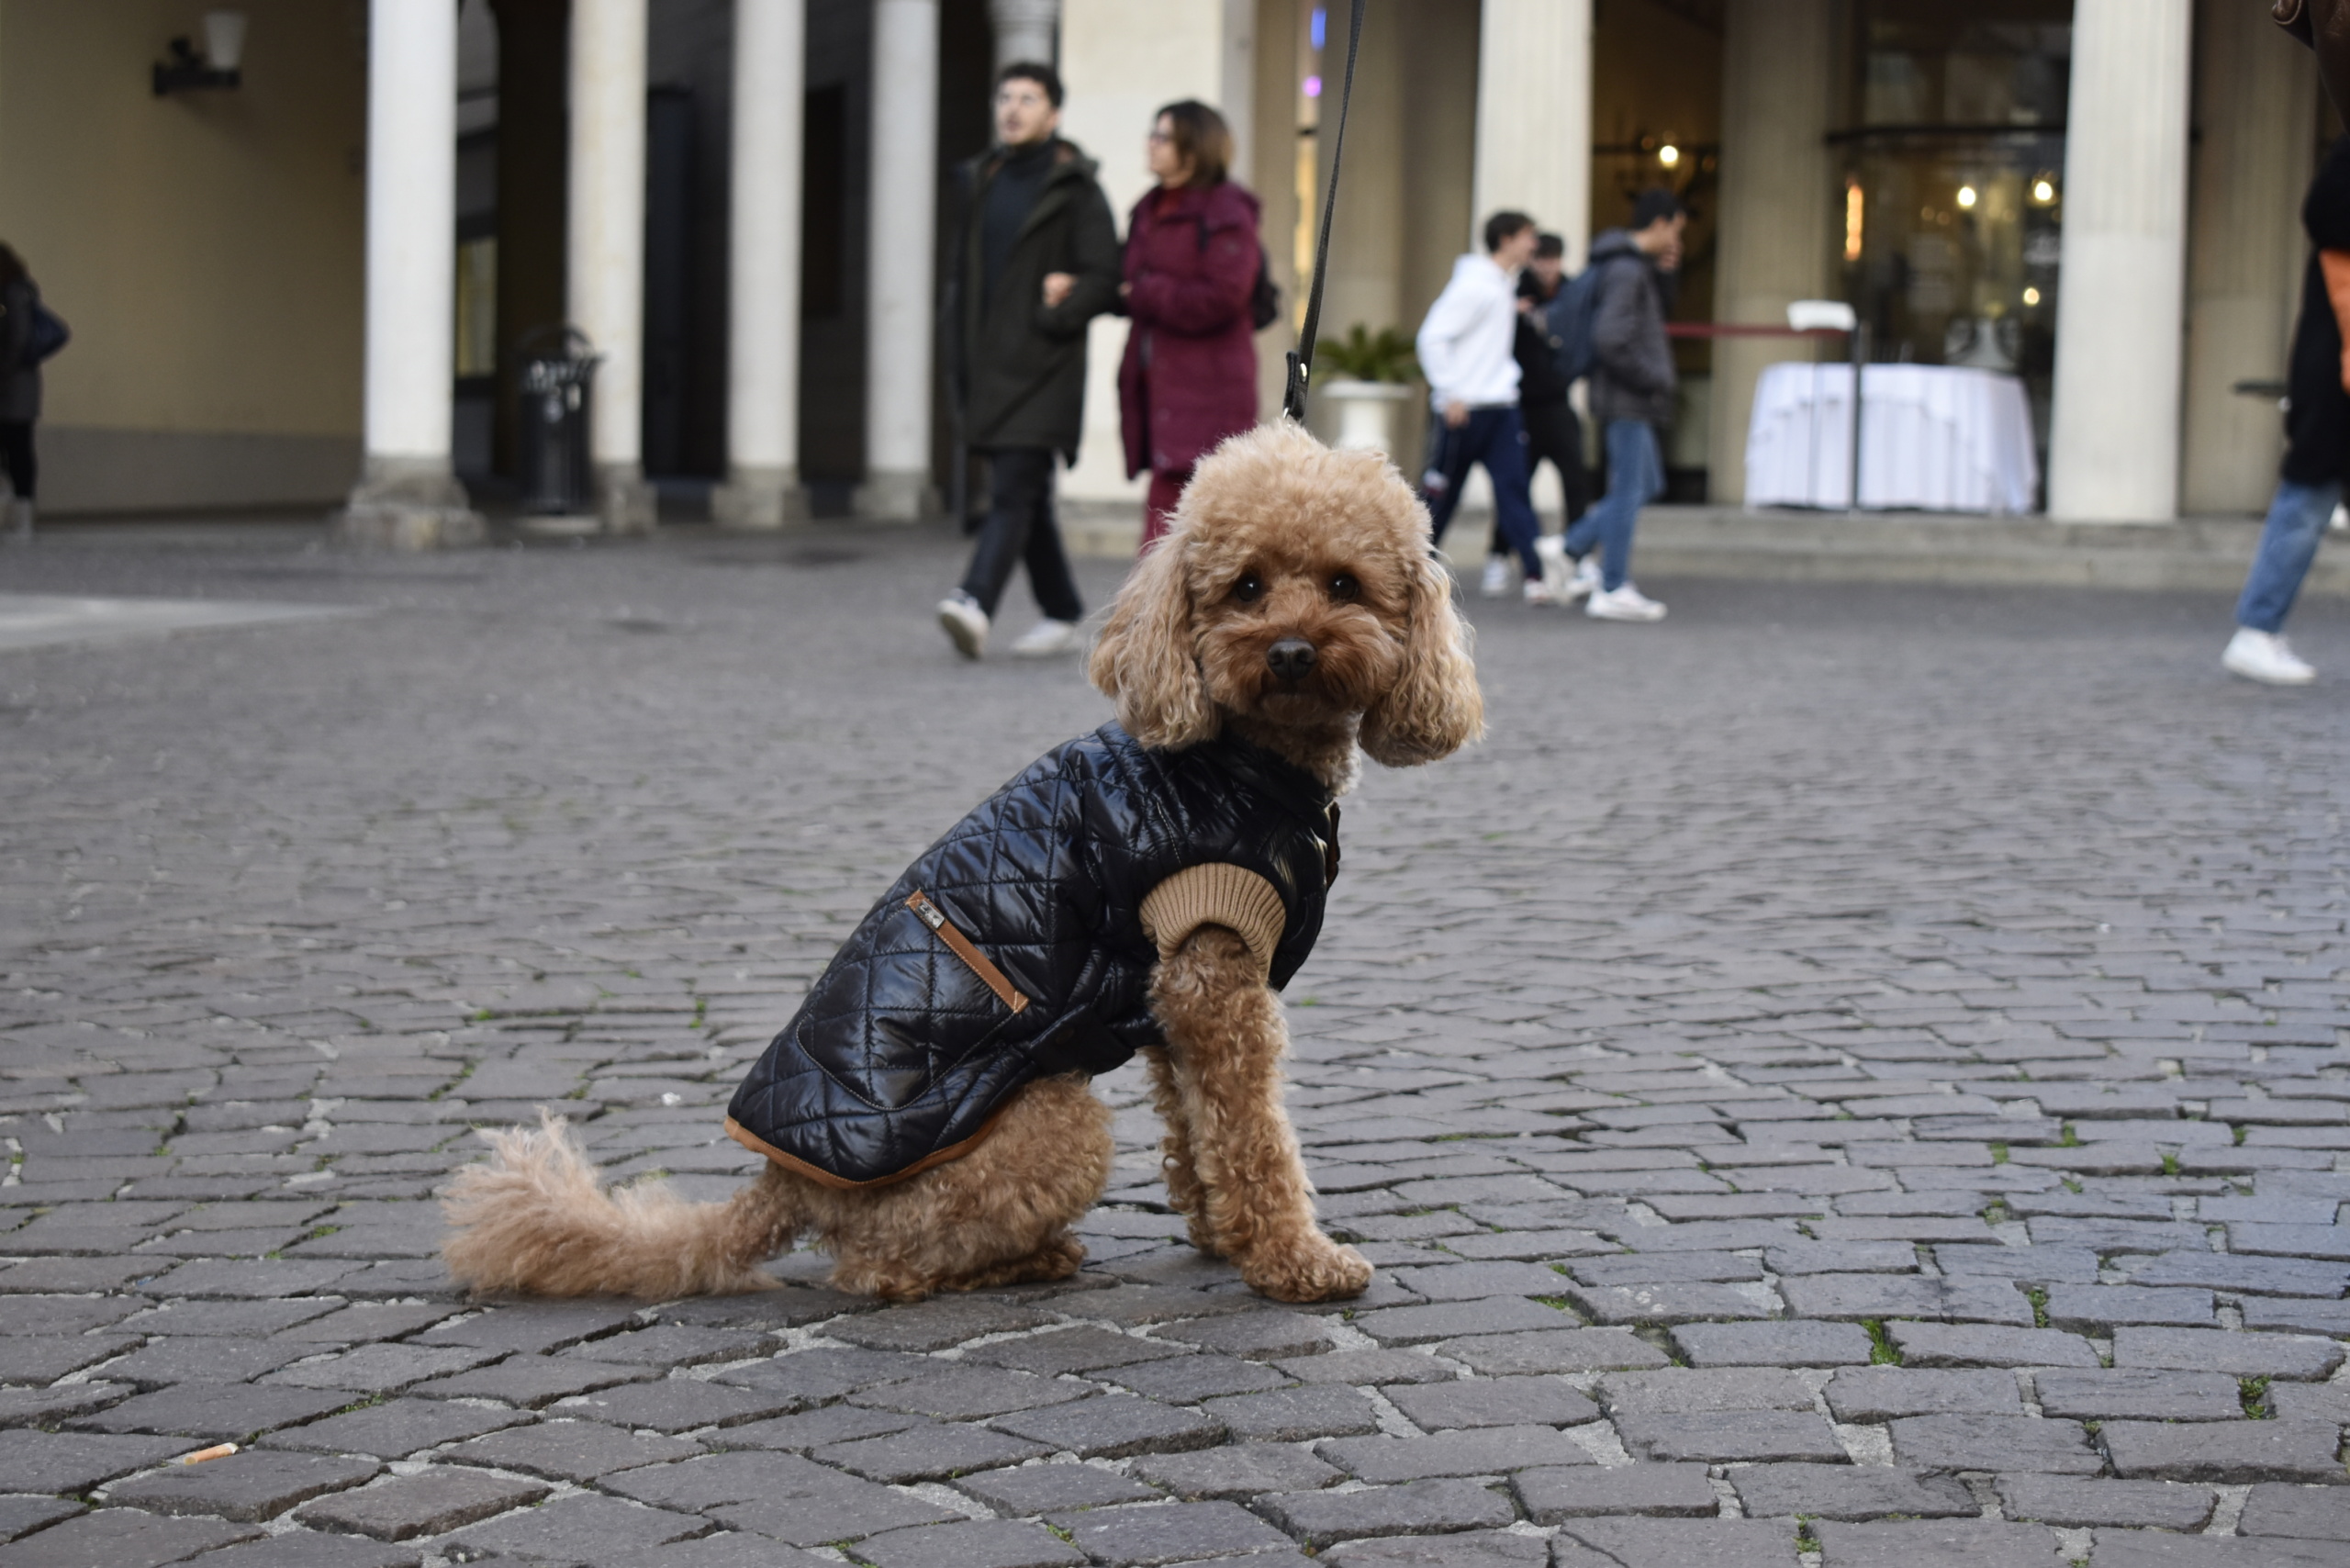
(1037, 259)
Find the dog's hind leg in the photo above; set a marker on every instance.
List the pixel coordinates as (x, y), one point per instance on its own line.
(1175, 1162)
(999, 1215)
(535, 1219)
(1058, 1259)
(1225, 1037)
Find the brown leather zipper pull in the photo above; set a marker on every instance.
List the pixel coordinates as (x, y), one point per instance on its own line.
(930, 915)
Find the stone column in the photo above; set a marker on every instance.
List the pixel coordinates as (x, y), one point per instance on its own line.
(1024, 29)
(1533, 116)
(606, 244)
(762, 489)
(1236, 90)
(407, 497)
(901, 294)
(2113, 451)
(2255, 99)
(1776, 230)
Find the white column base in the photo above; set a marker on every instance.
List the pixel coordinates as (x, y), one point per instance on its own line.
(409, 503)
(624, 502)
(897, 495)
(758, 499)
(2113, 450)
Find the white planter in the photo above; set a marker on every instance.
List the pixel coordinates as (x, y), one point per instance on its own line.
(1367, 412)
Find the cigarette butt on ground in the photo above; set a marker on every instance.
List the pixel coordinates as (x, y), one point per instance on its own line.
(218, 1450)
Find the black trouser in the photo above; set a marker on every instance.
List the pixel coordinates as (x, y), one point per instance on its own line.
(1020, 526)
(1553, 431)
(17, 457)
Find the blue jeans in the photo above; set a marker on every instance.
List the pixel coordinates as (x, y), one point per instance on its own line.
(1496, 437)
(2297, 520)
(1635, 478)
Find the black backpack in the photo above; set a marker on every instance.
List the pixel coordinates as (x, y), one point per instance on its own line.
(1264, 299)
(1572, 313)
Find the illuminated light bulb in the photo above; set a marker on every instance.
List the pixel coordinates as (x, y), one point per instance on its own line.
(1966, 196)
(1668, 155)
(2042, 191)
(2032, 297)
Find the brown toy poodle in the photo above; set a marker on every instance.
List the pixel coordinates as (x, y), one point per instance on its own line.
(927, 1116)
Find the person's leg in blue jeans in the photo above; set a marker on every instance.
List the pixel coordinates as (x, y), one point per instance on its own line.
(2297, 519)
(1634, 478)
(1503, 452)
(1445, 472)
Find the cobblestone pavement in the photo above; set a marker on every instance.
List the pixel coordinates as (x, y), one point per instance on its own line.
(1854, 1075)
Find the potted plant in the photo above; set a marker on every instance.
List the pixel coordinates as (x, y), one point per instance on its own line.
(1366, 379)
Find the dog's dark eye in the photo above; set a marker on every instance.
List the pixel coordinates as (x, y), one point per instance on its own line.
(1345, 589)
(1249, 588)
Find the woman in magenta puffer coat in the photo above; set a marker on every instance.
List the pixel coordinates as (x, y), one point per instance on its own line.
(1190, 376)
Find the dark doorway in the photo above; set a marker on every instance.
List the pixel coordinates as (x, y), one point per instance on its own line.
(668, 278)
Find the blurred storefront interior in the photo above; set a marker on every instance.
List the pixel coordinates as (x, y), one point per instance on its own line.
(317, 285)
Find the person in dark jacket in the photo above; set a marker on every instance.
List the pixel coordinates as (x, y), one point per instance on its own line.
(1188, 378)
(2317, 431)
(1553, 428)
(1037, 259)
(1631, 394)
(19, 387)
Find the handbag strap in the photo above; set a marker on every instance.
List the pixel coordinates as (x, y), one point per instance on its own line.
(1300, 358)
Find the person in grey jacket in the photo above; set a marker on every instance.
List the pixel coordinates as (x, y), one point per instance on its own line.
(1631, 394)
(19, 386)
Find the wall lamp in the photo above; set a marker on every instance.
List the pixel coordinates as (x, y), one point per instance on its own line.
(220, 64)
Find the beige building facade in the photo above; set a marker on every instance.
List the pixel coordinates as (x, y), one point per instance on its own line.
(284, 294)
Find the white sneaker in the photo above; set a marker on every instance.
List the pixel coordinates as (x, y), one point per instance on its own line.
(1552, 549)
(2265, 656)
(1584, 583)
(1537, 591)
(1496, 581)
(1047, 637)
(1625, 603)
(965, 623)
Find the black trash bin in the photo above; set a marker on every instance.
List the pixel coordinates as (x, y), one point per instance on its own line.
(557, 389)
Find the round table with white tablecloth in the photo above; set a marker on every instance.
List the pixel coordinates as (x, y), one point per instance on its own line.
(1933, 438)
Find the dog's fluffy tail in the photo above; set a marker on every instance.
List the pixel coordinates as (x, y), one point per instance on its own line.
(535, 1219)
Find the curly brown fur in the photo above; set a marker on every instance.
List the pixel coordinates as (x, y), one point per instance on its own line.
(535, 1219)
(1226, 1039)
(1175, 1167)
(998, 1215)
(1278, 539)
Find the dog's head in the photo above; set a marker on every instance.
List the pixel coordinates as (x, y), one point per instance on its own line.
(1295, 590)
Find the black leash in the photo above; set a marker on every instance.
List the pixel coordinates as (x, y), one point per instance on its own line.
(1300, 359)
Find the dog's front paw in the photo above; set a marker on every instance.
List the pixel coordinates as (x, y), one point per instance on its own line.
(1313, 1268)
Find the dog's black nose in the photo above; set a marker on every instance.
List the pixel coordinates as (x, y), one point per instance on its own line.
(1290, 657)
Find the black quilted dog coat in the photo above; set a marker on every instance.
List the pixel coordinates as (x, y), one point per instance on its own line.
(1014, 948)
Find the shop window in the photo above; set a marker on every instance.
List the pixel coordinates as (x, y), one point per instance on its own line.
(1953, 162)
(823, 224)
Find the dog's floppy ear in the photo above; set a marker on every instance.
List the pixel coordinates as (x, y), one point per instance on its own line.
(1148, 655)
(1435, 707)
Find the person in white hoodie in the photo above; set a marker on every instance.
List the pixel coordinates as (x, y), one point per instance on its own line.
(1467, 351)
